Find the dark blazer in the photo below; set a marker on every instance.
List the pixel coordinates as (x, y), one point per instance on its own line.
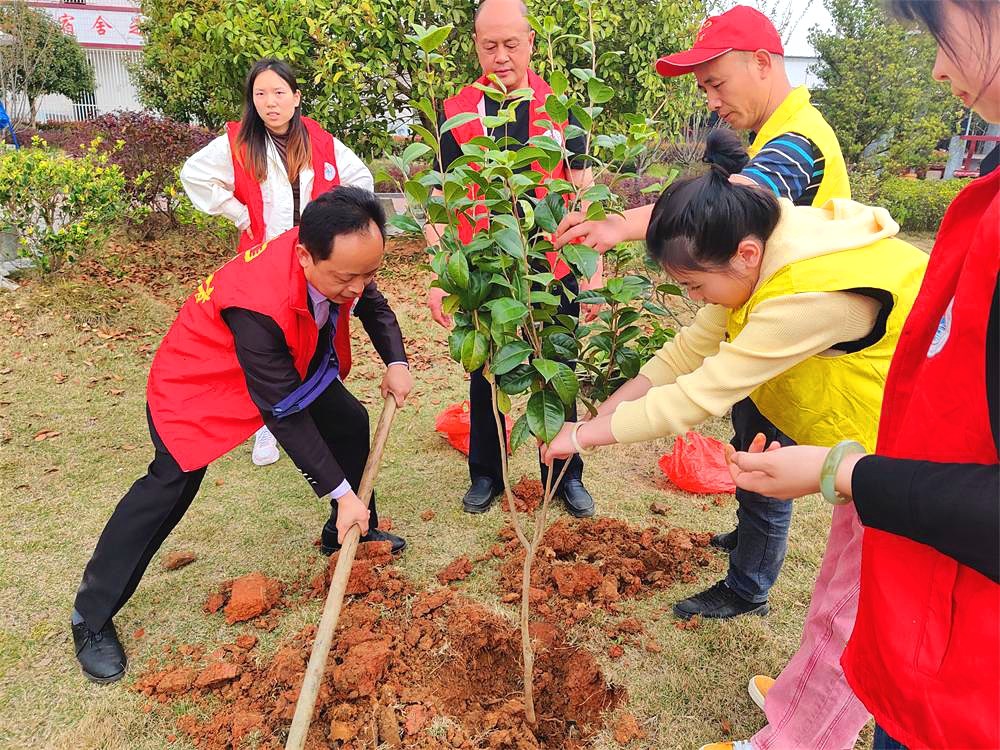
(271, 376)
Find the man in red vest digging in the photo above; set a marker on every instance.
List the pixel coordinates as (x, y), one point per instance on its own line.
(504, 44)
(263, 340)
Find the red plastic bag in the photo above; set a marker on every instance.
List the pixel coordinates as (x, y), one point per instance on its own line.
(453, 424)
(698, 465)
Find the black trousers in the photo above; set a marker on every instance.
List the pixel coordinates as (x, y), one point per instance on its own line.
(484, 442)
(156, 503)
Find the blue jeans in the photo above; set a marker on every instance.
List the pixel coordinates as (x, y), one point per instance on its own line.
(882, 741)
(762, 522)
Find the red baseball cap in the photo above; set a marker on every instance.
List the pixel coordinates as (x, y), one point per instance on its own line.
(740, 28)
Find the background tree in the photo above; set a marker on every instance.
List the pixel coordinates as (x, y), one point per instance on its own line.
(875, 91)
(359, 73)
(37, 58)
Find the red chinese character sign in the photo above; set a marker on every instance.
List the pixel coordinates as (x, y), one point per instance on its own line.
(108, 27)
(101, 26)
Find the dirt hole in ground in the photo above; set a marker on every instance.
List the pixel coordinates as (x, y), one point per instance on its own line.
(407, 669)
(587, 564)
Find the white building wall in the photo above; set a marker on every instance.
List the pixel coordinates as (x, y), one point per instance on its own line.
(798, 71)
(113, 92)
(108, 32)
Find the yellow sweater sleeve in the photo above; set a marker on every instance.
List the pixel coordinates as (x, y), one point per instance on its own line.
(779, 333)
(689, 348)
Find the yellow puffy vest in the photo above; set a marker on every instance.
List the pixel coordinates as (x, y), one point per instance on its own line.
(797, 115)
(826, 399)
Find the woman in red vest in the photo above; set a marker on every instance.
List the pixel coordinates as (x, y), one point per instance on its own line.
(265, 169)
(924, 656)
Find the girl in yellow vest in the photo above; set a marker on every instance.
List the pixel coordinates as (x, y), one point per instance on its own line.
(804, 308)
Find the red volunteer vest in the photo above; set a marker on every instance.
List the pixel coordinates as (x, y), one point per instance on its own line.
(470, 99)
(197, 392)
(924, 657)
(325, 176)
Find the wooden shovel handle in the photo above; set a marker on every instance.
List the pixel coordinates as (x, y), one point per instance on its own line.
(335, 597)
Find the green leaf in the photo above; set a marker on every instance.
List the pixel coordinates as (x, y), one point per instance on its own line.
(416, 192)
(599, 92)
(432, 38)
(556, 109)
(460, 119)
(503, 402)
(478, 290)
(560, 346)
(549, 211)
(520, 433)
(509, 241)
(458, 269)
(559, 82)
(510, 356)
(545, 414)
(455, 341)
(518, 380)
(629, 362)
(597, 193)
(546, 367)
(565, 384)
(582, 258)
(414, 151)
(582, 116)
(475, 347)
(506, 310)
(591, 297)
(545, 298)
(596, 212)
(405, 223)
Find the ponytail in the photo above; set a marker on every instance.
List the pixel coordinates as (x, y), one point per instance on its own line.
(698, 223)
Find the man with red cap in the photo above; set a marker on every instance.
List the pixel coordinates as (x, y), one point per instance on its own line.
(738, 61)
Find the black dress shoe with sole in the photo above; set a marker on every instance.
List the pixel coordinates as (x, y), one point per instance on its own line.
(328, 540)
(576, 498)
(101, 655)
(718, 603)
(481, 495)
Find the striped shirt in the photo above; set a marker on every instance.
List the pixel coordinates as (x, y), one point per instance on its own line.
(790, 166)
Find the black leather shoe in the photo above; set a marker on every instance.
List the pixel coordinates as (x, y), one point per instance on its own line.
(724, 542)
(718, 603)
(101, 655)
(575, 497)
(329, 545)
(481, 495)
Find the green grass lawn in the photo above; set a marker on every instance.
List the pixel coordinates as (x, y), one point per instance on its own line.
(74, 354)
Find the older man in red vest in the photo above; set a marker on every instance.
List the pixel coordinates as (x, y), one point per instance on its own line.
(263, 340)
(504, 44)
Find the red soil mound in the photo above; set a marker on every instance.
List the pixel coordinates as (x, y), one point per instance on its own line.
(584, 564)
(407, 669)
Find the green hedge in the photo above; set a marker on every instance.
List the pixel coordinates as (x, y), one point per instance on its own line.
(918, 205)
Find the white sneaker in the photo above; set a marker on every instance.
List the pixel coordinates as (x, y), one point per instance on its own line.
(265, 448)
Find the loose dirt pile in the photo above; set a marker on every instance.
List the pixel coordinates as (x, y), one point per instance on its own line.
(528, 494)
(407, 669)
(249, 598)
(583, 565)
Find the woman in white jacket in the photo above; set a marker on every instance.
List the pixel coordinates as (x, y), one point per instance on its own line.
(265, 169)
